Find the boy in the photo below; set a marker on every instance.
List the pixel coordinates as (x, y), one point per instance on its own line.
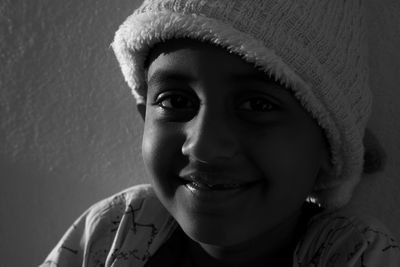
(250, 109)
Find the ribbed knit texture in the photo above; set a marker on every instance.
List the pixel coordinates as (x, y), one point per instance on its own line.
(315, 47)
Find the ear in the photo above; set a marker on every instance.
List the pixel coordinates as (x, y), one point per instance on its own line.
(141, 107)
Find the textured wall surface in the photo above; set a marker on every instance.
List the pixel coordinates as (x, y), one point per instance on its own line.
(70, 134)
(379, 194)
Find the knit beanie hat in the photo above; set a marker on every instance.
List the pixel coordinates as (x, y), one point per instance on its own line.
(314, 47)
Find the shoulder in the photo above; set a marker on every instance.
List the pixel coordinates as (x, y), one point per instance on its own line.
(118, 204)
(342, 239)
(127, 226)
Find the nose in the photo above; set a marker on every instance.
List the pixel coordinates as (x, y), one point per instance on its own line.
(210, 137)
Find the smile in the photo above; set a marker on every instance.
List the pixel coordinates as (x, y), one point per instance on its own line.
(217, 196)
(216, 186)
(213, 192)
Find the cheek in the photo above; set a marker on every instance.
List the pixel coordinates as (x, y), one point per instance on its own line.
(161, 148)
(290, 162)
(299, 160)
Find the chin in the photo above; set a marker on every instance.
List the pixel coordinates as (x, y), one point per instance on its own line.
(210, 232)
(213, 238)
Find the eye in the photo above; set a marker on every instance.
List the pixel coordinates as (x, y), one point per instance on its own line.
(257, 104)
(175, 101)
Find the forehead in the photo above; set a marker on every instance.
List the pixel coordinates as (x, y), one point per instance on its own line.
(186, 55)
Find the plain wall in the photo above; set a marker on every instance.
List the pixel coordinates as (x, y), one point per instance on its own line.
(70, 134)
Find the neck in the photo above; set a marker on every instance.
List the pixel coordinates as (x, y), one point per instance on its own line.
(273, 246)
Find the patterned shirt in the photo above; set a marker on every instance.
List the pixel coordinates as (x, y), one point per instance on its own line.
(129, 227)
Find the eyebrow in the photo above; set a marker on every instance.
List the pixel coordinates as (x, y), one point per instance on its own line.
(252, 77)
(166, 75)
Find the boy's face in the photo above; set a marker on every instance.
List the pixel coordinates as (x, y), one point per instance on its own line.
(231, 153)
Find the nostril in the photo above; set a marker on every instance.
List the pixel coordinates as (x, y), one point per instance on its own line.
(209, 137)
(209, 149)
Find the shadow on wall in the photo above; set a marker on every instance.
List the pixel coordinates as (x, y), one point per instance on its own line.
(32, 217)
(37, 206)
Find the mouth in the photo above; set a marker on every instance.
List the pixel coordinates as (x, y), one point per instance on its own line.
(199, 183)
(216, 193)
